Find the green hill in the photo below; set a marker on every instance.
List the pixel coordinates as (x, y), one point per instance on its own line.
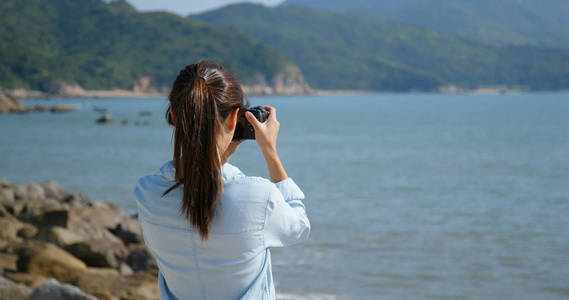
(337, 51)
(500, 22)
(101, 45)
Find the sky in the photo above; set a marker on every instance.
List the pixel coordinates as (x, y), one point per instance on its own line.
(185, 7)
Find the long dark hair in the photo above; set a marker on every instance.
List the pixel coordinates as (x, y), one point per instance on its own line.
(202, 96)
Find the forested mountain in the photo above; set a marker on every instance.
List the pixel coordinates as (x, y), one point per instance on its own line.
(339, 51)
(101, 45)
(500, 22)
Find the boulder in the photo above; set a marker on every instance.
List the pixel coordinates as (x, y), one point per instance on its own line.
(108, 285)
(99, 215)
(7, 196)
(27, 231)
(34, 191)
(4, 212)
(53, 290)
(20, 192)
(101, 252)
(54, 217)
(49, 260)
(129, 231)
(52, 189)
(8, 262)
(32, 211)
(140, 259)
(9, 228)
(75, 200)
(58, 235)
(10, 290)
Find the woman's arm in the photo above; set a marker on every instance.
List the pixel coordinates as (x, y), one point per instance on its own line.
(266, 135)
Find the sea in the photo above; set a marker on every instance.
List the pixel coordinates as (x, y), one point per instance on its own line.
(410, 196)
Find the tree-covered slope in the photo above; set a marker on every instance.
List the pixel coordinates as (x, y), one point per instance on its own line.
(500, 22)
(338, 51)
(103, 45)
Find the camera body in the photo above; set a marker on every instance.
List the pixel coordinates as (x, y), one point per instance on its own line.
(244, 130)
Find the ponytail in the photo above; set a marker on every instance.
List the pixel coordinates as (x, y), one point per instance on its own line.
(197, 122)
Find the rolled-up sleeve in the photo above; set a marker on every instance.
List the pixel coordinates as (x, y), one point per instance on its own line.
(286, 221)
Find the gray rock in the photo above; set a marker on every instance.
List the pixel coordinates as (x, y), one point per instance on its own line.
(10, 290)
(53, 290)
(52, 189)
(34, 191)
(7, 196)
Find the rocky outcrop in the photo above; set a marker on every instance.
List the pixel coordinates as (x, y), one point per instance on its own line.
(287, 82)
(9, 105)
(50, 235)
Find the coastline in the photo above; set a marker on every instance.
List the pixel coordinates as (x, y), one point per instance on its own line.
(254, 90)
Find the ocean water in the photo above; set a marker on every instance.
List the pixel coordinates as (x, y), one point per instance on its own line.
(409, 196)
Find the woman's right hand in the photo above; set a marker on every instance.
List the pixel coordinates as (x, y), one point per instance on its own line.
(266, 133)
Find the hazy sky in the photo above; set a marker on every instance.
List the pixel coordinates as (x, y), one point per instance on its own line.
(184, 7)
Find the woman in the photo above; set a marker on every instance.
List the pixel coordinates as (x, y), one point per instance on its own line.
(209, 226)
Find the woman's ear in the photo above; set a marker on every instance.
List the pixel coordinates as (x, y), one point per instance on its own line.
(172, 115)
(231, 120)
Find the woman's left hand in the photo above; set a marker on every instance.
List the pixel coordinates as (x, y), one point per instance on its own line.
(230, 150)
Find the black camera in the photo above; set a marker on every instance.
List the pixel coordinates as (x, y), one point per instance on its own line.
(244, 130)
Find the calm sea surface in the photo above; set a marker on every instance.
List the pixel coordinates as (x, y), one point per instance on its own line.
(410, 196)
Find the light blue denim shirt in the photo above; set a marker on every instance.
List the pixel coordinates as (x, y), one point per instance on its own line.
(252, 215)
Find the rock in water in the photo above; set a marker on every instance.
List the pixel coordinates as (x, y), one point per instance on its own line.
(105, 119)
(53, 290)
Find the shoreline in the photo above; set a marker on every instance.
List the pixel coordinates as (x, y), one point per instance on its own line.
(24, 94)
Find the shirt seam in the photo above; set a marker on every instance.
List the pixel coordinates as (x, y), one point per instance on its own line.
(265, 219)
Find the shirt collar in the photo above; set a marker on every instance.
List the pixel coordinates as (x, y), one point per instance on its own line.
(228, 171)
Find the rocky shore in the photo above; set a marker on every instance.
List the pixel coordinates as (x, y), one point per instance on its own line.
(9, 105)
(55, 244)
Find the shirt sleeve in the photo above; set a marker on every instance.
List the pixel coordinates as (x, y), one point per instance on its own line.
(286, 222)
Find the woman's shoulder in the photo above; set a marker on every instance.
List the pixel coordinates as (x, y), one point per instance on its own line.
(234, 179)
